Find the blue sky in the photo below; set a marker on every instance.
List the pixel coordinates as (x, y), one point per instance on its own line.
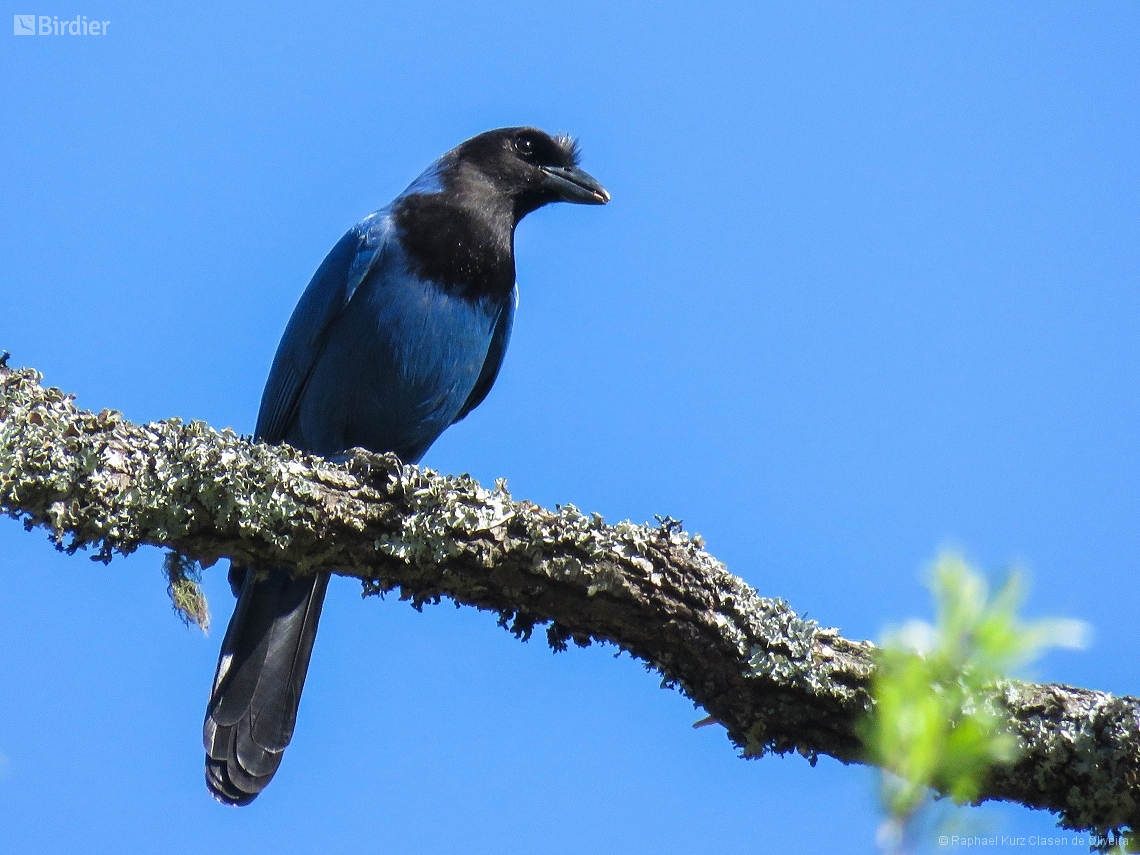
(868, 287)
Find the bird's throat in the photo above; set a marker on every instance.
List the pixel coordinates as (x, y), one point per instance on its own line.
(464, 248)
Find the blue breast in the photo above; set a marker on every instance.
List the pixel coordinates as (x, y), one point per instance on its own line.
(394, 358)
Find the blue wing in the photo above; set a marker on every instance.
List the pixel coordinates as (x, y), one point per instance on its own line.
(494, 360)
(305, 337)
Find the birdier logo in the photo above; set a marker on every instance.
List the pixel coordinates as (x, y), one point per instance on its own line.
(51, 25)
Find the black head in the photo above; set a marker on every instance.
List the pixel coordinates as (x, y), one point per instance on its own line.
(525, 165)
(457, 220)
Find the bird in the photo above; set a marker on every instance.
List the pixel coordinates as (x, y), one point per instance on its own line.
(400, 333)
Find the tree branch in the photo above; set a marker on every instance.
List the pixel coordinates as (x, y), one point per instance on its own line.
(776, 682)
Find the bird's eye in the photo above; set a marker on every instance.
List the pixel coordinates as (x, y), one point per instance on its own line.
(524, 146)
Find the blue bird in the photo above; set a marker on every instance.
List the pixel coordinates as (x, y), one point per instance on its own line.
(399, 334)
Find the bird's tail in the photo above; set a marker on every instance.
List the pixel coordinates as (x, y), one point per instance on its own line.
(261, 671)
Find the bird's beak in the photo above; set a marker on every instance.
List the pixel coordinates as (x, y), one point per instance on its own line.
(570, 184)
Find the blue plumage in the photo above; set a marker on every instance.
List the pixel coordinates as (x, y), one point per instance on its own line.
(376, 356)
(400, 333)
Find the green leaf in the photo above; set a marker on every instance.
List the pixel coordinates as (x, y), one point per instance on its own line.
(935, 724)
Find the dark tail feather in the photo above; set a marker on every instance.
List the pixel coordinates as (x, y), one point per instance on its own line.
(261, 671)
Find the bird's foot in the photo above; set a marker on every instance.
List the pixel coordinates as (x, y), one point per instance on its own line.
(368, 466)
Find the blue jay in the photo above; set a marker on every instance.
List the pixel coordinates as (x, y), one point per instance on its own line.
(400, 333)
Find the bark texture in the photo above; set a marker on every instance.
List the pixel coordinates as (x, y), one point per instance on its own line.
(775, 681)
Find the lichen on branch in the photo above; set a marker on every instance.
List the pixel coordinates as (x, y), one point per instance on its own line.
(775, 681)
